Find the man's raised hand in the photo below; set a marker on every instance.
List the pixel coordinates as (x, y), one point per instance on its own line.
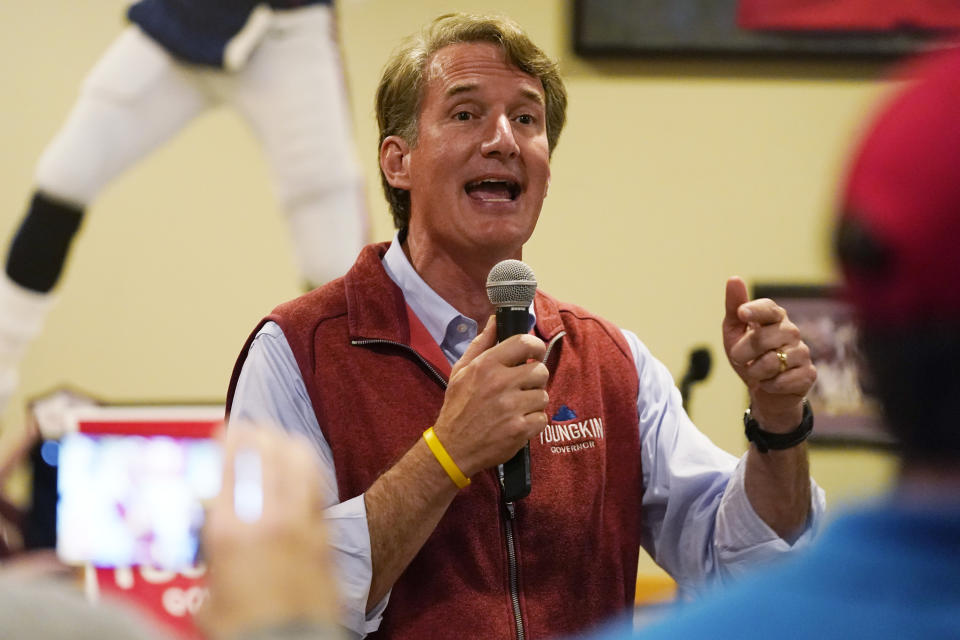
(765, 349)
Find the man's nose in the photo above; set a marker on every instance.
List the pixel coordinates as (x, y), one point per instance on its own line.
(499, 140)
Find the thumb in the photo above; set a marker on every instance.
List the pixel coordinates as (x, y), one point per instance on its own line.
(484, 340)
(736, 296)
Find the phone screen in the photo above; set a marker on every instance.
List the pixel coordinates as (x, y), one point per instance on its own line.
(128, 500)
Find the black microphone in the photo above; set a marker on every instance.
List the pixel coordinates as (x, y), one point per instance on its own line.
(697, 369)
(511, 286)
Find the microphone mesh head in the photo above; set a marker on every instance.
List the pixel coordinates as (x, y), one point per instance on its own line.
(511, 283)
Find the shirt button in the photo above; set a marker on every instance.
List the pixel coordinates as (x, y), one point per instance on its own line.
(462, 327)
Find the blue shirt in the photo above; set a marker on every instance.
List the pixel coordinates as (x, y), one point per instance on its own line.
(891, 570)
(698, 523)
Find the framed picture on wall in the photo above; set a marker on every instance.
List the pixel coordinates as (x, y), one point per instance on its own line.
(836, 28)
(845, 411)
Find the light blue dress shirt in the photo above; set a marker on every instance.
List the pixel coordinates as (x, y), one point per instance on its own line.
(698, 523)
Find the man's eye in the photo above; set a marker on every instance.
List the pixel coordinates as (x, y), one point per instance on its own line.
(463, 115)
(525, 119)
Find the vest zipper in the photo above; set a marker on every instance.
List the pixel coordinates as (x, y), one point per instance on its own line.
(430, 367)
(512, 570)
(550, 344)
(512, 567)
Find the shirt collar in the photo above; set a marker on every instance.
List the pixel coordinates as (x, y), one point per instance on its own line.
(436, 314)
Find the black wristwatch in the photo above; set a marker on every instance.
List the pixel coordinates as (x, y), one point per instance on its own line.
(766, 441)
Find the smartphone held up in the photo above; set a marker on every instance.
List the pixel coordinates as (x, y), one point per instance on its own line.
(132, 483)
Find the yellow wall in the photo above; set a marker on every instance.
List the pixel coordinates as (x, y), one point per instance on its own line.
(670, 176)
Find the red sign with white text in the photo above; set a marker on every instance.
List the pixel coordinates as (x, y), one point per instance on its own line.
(168, 598)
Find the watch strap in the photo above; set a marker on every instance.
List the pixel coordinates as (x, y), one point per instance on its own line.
(766, 440)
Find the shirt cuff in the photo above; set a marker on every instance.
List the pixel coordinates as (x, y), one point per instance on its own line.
(743, 540)
(349, 540)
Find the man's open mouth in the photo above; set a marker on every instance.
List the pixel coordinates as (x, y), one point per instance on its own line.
(493, 190)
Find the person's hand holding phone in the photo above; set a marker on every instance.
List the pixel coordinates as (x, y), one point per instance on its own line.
(264, 540)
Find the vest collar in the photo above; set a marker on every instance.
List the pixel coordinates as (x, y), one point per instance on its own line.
(376, 309)
(549, 324)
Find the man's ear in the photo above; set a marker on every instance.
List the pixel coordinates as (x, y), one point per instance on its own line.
(395, 161)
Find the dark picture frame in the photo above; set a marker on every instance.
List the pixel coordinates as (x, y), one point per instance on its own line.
(845, 411)
(684, 27)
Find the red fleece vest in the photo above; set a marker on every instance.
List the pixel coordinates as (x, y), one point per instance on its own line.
(577, 535)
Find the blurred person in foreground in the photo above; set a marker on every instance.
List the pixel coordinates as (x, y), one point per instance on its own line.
(395, 375)
(276, 63)
(890, 569)
(269, 577)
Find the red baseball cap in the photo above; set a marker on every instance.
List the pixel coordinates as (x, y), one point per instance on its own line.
(898, 236)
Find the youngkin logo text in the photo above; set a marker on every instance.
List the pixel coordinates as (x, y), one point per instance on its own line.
(567, 438)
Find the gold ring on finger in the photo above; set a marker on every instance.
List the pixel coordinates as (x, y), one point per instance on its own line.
(782, 357)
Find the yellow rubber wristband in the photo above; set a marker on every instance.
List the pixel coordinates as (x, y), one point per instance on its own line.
(444, 459)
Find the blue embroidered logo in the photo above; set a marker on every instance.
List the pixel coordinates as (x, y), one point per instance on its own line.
(564, 414)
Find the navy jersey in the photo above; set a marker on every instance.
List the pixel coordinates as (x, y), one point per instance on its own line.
(198, 31)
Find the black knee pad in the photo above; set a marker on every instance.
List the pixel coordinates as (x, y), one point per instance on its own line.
(40, 246)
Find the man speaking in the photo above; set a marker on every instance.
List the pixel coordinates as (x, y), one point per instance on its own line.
(395, 374)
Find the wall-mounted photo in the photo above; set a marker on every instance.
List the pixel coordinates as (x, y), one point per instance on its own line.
(842, 28)
(845, 411)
